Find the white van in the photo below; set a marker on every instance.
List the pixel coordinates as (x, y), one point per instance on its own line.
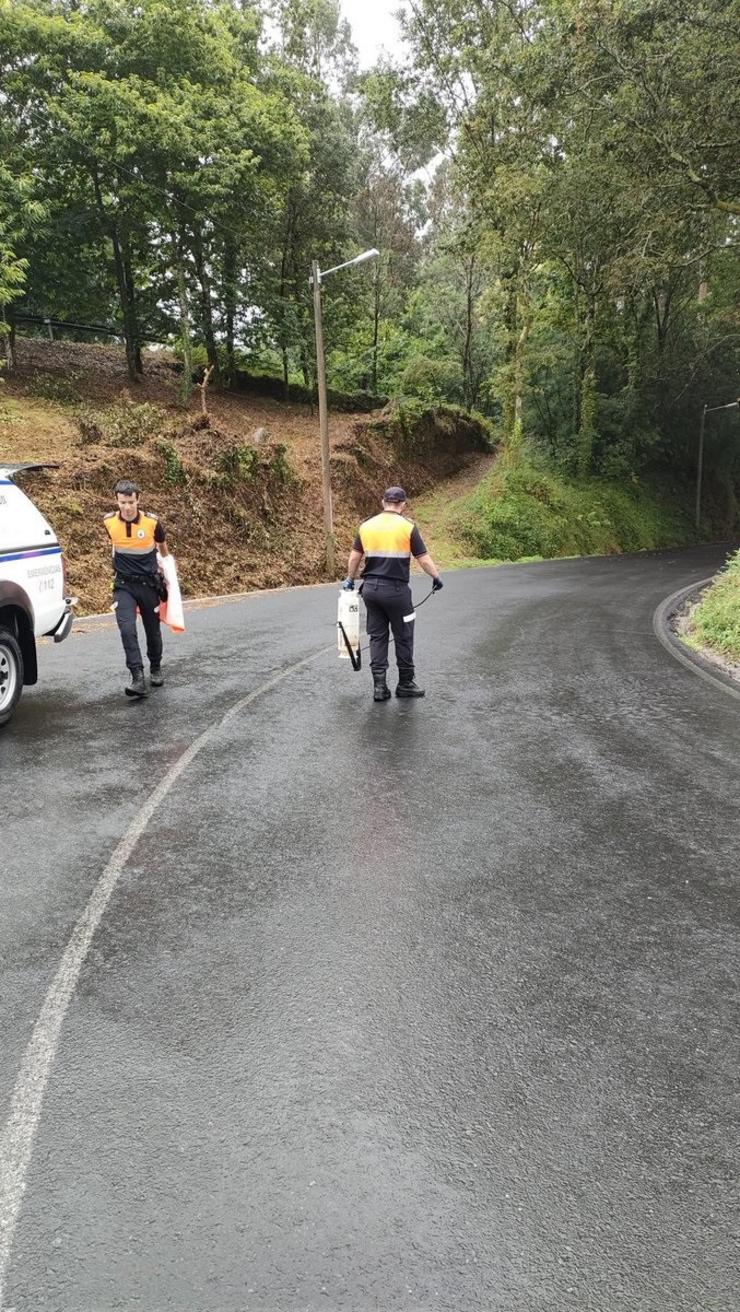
(33, 587)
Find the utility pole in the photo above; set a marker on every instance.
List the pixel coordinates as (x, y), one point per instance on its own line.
(699, 467)
(315, 280)
(329, 553)
(708, 410)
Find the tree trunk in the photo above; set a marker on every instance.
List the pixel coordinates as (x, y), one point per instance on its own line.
(205, 299)
(129, 327)
(519, 372)
(203, 389)
(110, 226)
(588, 397)
(187, 350)
(283, 293)
(579, 366)
(524, 324)
(662, 301)
(8, 337)
(308, 378)
(587, 430)
(376, 327)
(467, 346)
(131, 294)
(510, 323)
(282, 314)
(230, 298)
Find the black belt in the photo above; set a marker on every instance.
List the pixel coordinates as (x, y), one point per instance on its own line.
(130, 584)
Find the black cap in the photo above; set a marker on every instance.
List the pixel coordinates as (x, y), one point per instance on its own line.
(394, 494)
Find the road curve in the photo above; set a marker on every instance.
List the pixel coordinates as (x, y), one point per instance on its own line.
(413, 1006)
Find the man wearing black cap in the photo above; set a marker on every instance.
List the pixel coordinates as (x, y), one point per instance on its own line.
(388, 541)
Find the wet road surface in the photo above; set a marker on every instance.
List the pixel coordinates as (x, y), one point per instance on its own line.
(411, 1006)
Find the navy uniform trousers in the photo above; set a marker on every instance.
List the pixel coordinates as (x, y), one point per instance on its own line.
(387, 601)
(127, 597)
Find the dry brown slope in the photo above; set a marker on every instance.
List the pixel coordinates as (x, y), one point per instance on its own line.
(234, 522)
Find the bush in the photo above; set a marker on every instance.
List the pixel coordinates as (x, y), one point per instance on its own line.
(417, 429)
(625, 443)
(238, 464)
(532, 510)
(174, 470)
(125, 425)
(433, 380)
(527, 518)
(266, 385)
(242, 464)
(716, 620)
(280, 466)
(61, 388)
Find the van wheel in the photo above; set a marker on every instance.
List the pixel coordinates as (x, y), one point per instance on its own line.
(11, 675)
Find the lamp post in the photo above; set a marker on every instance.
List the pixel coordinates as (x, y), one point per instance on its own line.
(708, 410)
(315, 280)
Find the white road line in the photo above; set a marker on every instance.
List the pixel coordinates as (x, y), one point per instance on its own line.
(16, 1143)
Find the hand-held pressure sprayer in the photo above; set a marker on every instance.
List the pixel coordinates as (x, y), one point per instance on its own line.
(348, 622)
(348, 627)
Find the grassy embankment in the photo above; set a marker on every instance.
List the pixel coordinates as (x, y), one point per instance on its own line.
(715, 621)
(528, 511)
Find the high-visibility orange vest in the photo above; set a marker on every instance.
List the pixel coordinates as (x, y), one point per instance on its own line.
(387, 534)
(133, 541)
(388, 541)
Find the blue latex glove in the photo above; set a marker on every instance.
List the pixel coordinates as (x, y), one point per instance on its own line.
(437, 585)
(348, 585)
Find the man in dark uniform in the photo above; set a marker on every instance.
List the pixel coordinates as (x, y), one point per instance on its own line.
(136, 538)
(388, 541)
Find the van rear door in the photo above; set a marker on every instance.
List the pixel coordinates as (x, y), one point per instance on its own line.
(22, 526)
(31, 571)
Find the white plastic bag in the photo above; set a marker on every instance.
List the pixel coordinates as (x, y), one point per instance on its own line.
(171, 611)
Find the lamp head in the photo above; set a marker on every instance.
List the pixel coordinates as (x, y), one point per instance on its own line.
(366, 255)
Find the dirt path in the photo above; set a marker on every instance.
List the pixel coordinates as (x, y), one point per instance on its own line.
(439, 514)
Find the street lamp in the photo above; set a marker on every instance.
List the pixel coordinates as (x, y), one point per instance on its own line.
(315, 281)
(708, 410)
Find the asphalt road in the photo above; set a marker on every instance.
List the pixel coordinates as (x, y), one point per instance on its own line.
(422, 1005)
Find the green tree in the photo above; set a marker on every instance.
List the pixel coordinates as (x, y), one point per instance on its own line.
(384, 221)
(155, 117)
(21, 214)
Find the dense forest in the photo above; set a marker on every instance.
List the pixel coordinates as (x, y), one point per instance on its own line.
(553, 187)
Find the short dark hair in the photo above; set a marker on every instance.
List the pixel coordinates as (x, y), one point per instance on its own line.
(126, 488)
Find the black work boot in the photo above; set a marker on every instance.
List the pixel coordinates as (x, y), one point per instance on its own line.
(137, 687)
(406, 686)
(156, 677)
(381, 691)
